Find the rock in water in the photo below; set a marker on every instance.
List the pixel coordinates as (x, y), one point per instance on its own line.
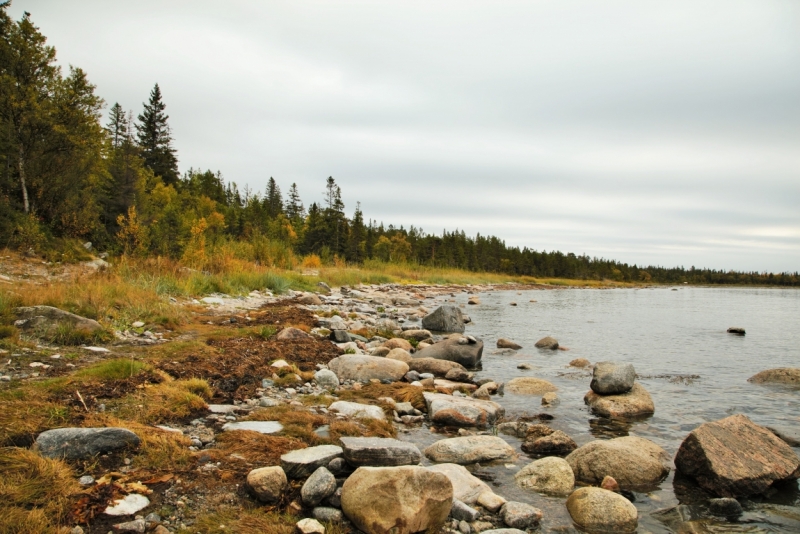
(467, 354)
(548, 475)
(504, 343)
(379, 452)
(635, 403)
(632, 461)
(612, 378)
(599, 510)
(580, 362)
(447, 410)
(547, 343)
(267, 483)
(302, 462)
(79, 443)
(439, 368)
(396, 500)
(555, 444)
(470, 449)
(445, 318)
(364, 368)
(530, 386)
(520, 515)
(467, 487)
(735, 457)
(781, 375)
(736, 330)
(320, 485)
(726, 507)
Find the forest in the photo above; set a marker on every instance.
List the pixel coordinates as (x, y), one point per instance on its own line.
(69, 175)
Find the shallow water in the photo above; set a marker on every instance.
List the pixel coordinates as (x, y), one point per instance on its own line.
(667, 335)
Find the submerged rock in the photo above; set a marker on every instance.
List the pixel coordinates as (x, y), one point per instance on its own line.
(598, 510)
(612, 378)
(438, 368)
(630, 460)
(736, 330)
(781, 375)
(504, 343)
(364, 368)
(470, 450)
(79, 443)
(467, 354)
(635, 403)
(379, 452)
(447, 410)
(556, 443)
(547, 343)
(520, 515)
(580, 363)
(530, 386)
(445, 318)
(548, 475)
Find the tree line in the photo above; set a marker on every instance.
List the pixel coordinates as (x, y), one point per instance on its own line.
(66, 175)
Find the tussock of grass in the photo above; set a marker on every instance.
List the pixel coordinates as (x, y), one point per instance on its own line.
(165, 402)
(397, 391)
(297, 423)
(8, 332)
(362, 427)
(258, 450)
(22, 419)
(117, 369)
(254, 521)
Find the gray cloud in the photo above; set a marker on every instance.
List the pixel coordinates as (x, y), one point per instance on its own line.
(648, 132)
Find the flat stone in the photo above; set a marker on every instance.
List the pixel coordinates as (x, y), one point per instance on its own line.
(781, 375)
(310, 526)
(222, 408)
(470, 449)
(128, 505)
(354, 409)
(80, 443)
(467, 488)
(264, 427)
(490, 501)
(302, 462)
(360, 451)
(612, 378)
(363, 368)
(557, 443)
(635, 403)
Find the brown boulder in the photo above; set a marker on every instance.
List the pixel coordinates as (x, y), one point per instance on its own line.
(504, 343)
(434, 366)
(530, 386)
(781, 375)
(398, 343)
(632, 461)
(735, 457)
(547, 343)
(637, 402)
(556, 443)
(291, 332)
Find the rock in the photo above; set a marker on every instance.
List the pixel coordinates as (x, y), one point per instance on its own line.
(467, 488)
(548, 475)
(445, 318)
(467, 354)
(335, 500)
(458, 375)
(530, 386)
(128, 505)
(419, 334)
(436, 367)
(302, 462)
(554, 444)
(354, 409)
(726, 507)
(503, 531)
(790, 435)
(47, 319)
(470, 449)
(310, 526)
(447, 410)
(635, 403)
(398, 343)
(137, 324)
(504, 343)
(735, 457)
(320, 485)
(612, 378)
(340, 336)
(473, 301)
(326, 379)
(263, 427)
(520, 515)
(379, 452)
(160, 529)
(610, 484)
(580, 363)
(137, 525)
(632, 461)
(290, 333)
(364, 368)
(490, 501)
(736, 330)
(325, 288)
(405, 408)
(463, 512)
(80, 443)
(310, 299)
(396, 500)
(380, 352)
(267, 483)
(549, 398)
(531, 431)
(448, 386)
(547, 343)
(327, 514)
(599, 510)
(781, 375)
(400, 354)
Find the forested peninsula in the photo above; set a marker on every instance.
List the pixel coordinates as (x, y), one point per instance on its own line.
(70, 176)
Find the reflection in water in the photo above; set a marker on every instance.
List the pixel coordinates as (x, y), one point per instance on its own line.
(607, 428)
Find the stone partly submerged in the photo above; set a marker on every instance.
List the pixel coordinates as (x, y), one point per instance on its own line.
(462, 350)
(467, 487)
(379, 452)
(470, 449)
(504, 343)
(548, 342)
(445, 318)
(781, 375)
(433, 366)
(630, 460)
(612, 378)
(447, 410)
(396, 500)
(302, 462)
(596, 510)
(549, 475)
(635, 403)
(364, 368)
(530, 386)
(734, 457)
(81, 443)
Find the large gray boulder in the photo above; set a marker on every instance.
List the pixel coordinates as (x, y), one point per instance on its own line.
(302, 462)
(461, 350)
(470, 449)
(599, 510)
(48, 319)
(379, 452)
(447, 410)
(445, 318)
(612, 378)
(364, 368)
(80, 443)
(630, 460)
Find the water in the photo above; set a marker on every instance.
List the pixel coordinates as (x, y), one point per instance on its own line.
(667, 335)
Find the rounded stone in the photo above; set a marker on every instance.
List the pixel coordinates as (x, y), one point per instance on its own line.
(548, 475)
(399, 354)
(530, 386)
(547, 343)
(635, 403)
(267, 483)
(469, 450)
(320, 485)
(612, 378)
(326, 379)
(630, 460)
(601, 511)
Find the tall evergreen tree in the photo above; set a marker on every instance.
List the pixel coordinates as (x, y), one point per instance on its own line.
(155, 139)
(117, 125)
(294, 205)
(357, 240)
(273, 200)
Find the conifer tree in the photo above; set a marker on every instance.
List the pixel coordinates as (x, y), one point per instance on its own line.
(273, 200)
(294, 205)
(117, 126)
(155, 139)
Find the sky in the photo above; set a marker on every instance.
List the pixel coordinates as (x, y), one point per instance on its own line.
(655, 133)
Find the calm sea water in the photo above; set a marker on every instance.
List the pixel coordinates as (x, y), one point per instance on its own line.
(668, 336)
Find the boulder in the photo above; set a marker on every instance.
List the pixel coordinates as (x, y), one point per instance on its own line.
(612, 378)
(547, 343)
(455, 350)
(302, 462)
(520, 515)
(364, 368)
(549, 399)
(467, 488)
(326, 379)
(399, 354)
(725, 507)
(435, 367)
(599, 510)
(381, 352)
(80, 443)
(631, 460)
(781, 375)
(530, 386)
(635, 403)
(354, 409)
(290, 333)
(470, 449)
(396, 500)
(340, 336)
(473, 301)
(790, 435)
(417, 334)
(549, 475)
(267, 483)
(309, 299)
(504, 343)
(447, 410)
(327, 514)
(735, 457)
(398, 343)
(458, 375)
(320, 485)
(555, 444)
(48, 319)
(448, 386)
(445, 318)
(360, 452)
(580, 363)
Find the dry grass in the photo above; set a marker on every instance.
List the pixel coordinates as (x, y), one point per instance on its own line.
(243, 521)
(362, 427)
(297, 423)
(172, 400)
(258, 450)
(21, 419)
(397, 391)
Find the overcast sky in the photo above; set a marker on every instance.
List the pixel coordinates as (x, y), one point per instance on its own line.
(649, 132)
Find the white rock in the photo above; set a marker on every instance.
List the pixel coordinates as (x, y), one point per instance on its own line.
(264, 427)
(310, 526)
(96, 349)
(129, 505)
(212, 300)
(137, 324)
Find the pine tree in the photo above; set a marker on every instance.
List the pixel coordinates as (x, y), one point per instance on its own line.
(117, 126)
(155, 139)
(294, 205)
(356, 246)
(273, 200)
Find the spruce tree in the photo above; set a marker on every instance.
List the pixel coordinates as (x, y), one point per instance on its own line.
(155, 139)
(294, 205)
(117, 126)
(273, 200)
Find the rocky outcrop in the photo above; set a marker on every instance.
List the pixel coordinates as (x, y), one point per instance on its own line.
(396, 500)
(530, 386)
(781, 375)
(379, 452)
(80, 443)
(547, 343)
(48, 319)
(735, 457)
(549, 475)
(438, 368)
(635, 403)
(631, 460)
(612, 378)
(470, 449)
(504, 343)
(597, 510)
(302, 462)
(267, 483)
(447, 410)
(463, 350)
(467, 487)
(445, 318)
(364, 368)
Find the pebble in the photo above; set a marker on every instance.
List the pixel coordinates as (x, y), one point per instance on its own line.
(86, 480)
